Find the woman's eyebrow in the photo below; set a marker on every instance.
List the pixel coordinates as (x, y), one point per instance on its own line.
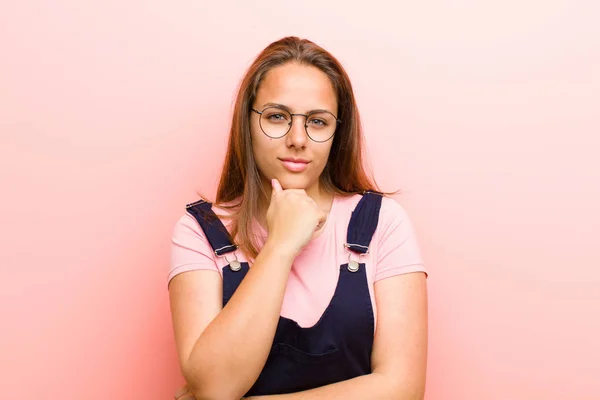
(286, 108)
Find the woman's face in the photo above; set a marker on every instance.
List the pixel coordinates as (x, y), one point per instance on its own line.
(301, 89)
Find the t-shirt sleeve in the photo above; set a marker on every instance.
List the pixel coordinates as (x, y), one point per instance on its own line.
(190, 249)
(397, 251)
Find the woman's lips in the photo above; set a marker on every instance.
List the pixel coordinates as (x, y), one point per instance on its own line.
(295, 166)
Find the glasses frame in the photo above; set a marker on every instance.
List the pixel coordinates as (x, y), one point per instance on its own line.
(260, 113)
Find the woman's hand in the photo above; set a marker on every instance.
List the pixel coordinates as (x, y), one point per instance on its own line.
(184, 394)
(293, 218)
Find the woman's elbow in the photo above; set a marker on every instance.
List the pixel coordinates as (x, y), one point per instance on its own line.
(412, 391)
(208, 385)
(405, 389)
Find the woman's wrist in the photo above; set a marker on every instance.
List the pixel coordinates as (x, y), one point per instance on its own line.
(282, 251)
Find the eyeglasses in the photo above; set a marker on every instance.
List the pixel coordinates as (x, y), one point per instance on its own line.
(276, 122)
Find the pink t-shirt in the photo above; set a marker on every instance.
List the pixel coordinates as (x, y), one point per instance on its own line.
(315, 271)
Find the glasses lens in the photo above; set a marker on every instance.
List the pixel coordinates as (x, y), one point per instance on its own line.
(275, 122)
(321, 126)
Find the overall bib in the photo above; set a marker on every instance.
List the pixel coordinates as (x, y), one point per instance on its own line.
(338, 346)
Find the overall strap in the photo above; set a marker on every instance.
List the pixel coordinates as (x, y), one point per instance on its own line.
(213, 228)
(363, 222)
(219, 240)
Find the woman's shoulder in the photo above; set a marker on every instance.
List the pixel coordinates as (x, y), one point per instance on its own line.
(187, 226)
(390, 207)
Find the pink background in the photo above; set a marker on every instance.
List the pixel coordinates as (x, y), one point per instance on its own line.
(486, 114)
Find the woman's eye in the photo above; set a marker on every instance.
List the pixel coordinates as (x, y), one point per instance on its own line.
(276, 117)
(318, 122)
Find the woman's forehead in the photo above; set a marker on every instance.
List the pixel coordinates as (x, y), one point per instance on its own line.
(299, 87)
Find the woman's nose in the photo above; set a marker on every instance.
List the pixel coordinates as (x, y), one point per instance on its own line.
(297, 135)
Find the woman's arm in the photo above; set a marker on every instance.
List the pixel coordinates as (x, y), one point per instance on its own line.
(222, 352)
(399, 357)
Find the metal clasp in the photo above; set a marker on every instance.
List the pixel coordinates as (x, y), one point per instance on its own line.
(234, 264)
(354, 265)
(188, 206)
(377, 193)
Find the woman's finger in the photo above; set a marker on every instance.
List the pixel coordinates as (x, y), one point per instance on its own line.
(276, 186)
(184, 390)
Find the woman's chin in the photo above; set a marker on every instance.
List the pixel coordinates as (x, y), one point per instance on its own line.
(294, 182)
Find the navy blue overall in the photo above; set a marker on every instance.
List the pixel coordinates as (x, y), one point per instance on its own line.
(338, 346)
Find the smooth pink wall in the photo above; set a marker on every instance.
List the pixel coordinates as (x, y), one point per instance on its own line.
(487, 115)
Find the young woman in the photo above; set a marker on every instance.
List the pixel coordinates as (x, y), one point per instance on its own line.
(302, 280)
